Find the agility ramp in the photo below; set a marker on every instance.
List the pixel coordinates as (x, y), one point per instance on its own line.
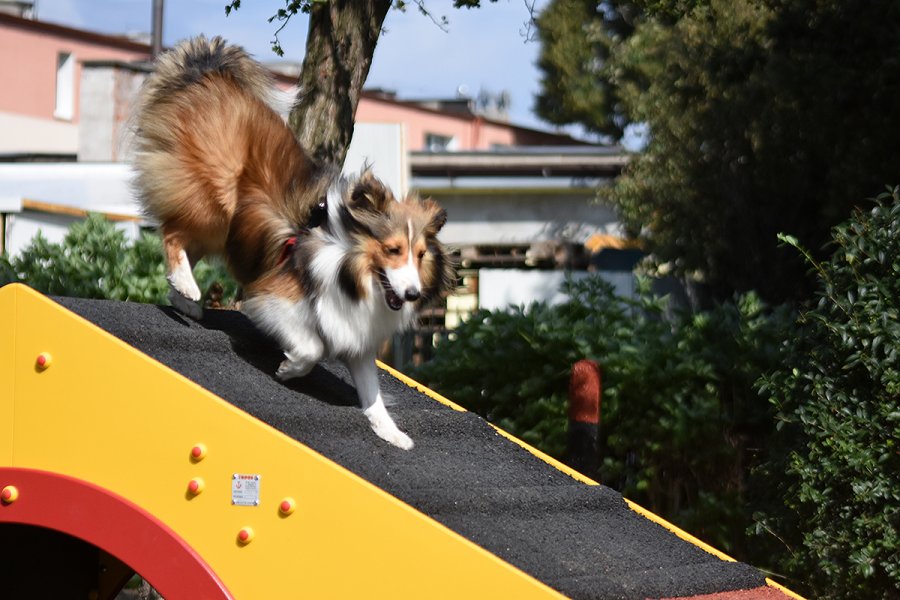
(165, 446)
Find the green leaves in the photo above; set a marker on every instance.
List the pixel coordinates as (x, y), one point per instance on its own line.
(233, 5)
(838, 396)
(763, 117)
(574, 48)
(679, 414)
(95, 260)
(87, 264)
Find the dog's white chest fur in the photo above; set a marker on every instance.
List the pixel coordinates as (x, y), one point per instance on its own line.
(355, 327)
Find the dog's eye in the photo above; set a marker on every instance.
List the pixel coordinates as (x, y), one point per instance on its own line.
(393, 250)
(421, 254)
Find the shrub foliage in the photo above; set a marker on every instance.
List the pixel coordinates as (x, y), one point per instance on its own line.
(838, 402)
(680, 419)
(95, 260)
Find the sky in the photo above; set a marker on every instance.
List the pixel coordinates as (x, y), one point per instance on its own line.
(486, 48)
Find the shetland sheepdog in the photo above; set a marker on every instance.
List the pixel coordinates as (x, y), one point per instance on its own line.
(329, 265)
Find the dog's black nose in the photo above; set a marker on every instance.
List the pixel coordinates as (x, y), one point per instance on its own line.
(412, 294)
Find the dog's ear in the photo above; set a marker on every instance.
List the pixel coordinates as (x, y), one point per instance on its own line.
(370, 194)
(437, 216)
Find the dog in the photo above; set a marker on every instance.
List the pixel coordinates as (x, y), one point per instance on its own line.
(329, 266)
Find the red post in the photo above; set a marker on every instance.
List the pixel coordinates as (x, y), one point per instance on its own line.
(585, 385)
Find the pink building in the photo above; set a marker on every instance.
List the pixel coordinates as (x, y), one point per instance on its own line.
(45, 70)
(41, 71)
(450, 125)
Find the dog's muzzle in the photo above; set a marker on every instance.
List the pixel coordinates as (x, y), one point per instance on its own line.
(392, 298)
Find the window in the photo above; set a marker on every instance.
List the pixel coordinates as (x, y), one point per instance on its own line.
(65, 86)
(434, 142)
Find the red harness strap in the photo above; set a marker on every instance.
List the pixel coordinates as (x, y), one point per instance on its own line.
(288, 247)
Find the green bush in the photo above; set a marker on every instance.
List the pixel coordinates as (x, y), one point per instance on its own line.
(512, 367)
(95, 260)
(680, 419)
(838, 402)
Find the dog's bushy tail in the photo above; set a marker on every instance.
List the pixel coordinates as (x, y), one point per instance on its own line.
(192, 60)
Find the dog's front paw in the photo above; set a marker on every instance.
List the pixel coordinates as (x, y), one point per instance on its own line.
(385, 428)
(290, 369)
(397, 438)
(184, 305)
(182, 280)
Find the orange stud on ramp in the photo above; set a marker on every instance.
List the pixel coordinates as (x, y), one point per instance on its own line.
(198, 452)
(9, 494)
(196, 486)
(246, 535)
(287, 506)
(43, 361)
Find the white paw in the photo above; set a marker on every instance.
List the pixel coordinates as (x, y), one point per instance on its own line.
(290, 369)
(385, 428)
(183, 281)
(397, 438)
(184, 305)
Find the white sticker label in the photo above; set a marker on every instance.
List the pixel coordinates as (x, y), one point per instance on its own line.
(245, 490)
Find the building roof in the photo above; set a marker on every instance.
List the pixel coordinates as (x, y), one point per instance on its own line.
(535, 161)
(115, 41)
(460, 108)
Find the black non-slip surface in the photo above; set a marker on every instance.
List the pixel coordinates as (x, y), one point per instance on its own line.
(581, 540)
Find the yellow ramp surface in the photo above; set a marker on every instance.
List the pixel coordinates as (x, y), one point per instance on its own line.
(137, 429)
(101, 412)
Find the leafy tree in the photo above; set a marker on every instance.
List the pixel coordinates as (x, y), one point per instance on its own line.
(838, 401)
(763, 116)
(680, 418)
(576, 40)
(340, 44)
(95, 260)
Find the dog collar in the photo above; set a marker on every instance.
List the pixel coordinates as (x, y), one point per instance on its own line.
(287, 249)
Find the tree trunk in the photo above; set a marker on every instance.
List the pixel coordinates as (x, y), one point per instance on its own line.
(339, 49)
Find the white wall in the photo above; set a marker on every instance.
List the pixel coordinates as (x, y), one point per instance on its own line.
(101, 187)
(108, 95)
(383, 147)
(500, 288)
(31, 135)
(21, 228)
(522, 217)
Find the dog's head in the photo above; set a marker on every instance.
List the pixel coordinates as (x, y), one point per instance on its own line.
(396, 242)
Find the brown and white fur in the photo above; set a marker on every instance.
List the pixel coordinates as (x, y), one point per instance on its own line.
(223, 175)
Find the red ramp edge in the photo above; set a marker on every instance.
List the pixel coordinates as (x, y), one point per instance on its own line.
(113, 524)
